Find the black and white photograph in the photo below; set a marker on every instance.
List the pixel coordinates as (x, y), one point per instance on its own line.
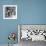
(9, 11)
(31, 34)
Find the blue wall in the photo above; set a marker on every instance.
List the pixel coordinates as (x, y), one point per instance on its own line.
(28, 12)
(33, 12)
(7, 26)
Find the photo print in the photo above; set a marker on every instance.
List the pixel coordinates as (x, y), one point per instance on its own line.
(9, 11)
(32, 32)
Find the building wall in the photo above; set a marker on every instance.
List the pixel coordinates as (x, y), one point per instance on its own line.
(28, 12)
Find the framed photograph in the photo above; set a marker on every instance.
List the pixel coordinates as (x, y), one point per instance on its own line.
(9, 11)
(31, 32)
